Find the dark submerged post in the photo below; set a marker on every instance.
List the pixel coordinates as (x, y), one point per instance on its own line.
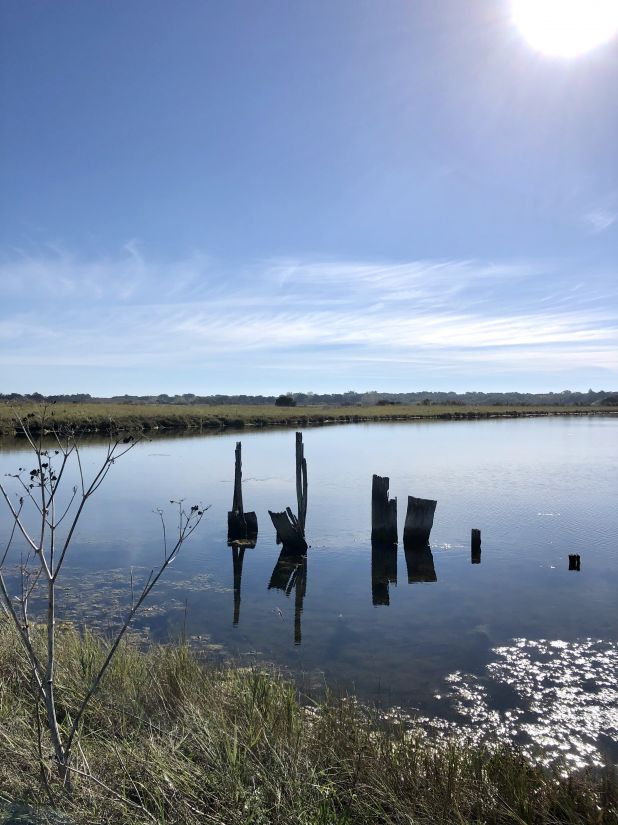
(419, 521)
(241, 526)
(475, 546)
(383, 513)
(574, 561)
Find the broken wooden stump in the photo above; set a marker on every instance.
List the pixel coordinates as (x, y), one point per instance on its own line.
(574, 561)
(475, 546)
(241, 527)
(288, 531)
(419, 521)
(383, 572)
(383, 513)
(419, 561)
(290, 528)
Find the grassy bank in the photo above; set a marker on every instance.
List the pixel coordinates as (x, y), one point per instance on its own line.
(170, 740)
(140, 418)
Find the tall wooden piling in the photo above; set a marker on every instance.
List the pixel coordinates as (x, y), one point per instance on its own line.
(383, 513)
(419, 521)
(241, 526)
(290, 528)
(301, 482)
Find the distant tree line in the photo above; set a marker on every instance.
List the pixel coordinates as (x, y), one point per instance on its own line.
(345, 399)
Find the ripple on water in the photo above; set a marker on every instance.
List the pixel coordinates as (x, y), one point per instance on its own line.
(558, 700)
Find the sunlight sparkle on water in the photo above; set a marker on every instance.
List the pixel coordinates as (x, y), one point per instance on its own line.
(564, 699)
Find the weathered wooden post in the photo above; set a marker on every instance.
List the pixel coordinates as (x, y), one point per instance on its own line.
(419, 561)
(288, 531)
(383, 513)
(301, 482)
(290, 528)
(475, 546)
(419, 521)
(383, 572)
(241, 526)
(574, 561)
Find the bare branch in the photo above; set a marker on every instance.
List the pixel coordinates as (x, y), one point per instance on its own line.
(191, 523)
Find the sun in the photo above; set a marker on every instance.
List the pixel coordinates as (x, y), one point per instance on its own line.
(566, 28)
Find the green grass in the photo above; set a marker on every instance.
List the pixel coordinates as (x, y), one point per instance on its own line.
(144, 417)
(171, 740)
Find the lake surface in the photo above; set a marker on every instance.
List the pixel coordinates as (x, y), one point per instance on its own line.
(517, 644)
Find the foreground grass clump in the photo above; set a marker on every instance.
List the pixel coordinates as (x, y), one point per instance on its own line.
(171, 740)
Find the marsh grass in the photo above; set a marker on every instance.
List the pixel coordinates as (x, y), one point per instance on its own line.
(101, 417)
(170, 739)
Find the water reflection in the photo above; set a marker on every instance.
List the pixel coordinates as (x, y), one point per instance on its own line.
(419, 561)
(383, 571)
(238, 555)
(290, 573)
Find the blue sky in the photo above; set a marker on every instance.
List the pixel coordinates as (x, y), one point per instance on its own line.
(259, 197)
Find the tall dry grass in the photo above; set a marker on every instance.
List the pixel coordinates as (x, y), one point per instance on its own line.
(172, 740)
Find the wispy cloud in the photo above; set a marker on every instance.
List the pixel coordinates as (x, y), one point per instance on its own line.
(598, 220)
(350, 320)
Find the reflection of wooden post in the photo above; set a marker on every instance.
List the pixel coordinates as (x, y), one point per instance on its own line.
(300, 582)
(383, 512)
(475, 546)
(290, 573)
(419, 561)
(419, 520)
(241, 526)
(238, 554)
(383, 572)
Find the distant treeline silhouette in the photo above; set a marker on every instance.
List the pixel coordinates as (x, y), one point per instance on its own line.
(344, 399)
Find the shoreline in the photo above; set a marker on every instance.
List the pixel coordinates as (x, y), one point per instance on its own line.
(106, 419)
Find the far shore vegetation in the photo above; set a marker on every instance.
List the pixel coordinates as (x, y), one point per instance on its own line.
(172, 739)
(105, 417)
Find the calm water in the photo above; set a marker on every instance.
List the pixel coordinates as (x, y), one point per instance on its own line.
(517, 643)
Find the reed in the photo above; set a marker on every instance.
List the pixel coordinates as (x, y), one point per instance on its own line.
(170, 739)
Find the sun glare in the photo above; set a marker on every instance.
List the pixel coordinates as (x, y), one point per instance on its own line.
(566, 28)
